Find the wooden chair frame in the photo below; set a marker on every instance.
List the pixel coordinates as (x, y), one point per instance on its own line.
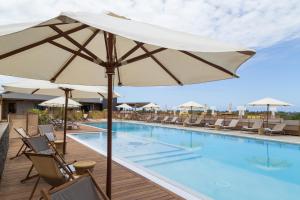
(47, 194)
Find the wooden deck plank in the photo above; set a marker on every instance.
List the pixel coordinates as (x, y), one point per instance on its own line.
(126, 183)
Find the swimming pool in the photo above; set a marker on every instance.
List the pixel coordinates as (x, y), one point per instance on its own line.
(218, 166)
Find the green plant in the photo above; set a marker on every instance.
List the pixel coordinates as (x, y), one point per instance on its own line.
(43, 115)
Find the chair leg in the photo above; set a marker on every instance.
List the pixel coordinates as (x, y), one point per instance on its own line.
(34, 188)
(28, 175)
(20, 152)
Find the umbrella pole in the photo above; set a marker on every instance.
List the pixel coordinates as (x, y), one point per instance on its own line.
(65, 119)
(268, 108)
(110, 71)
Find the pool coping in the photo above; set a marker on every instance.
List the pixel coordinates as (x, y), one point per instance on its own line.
(164, 182)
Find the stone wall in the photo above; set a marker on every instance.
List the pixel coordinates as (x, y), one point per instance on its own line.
(4, 142)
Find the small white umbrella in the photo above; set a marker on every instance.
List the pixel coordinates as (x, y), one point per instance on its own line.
(151, 106)
(124, 106)
(59, 102)
(213, 109)
(191, 105)
(269, 102)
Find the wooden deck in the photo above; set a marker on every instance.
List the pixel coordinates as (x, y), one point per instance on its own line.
(126, 184)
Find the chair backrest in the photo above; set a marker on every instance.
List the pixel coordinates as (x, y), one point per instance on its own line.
(85, 116)
(257, 124)
(49, 168)
(233, 123)
(148, 118)
(22, 132)
(84, 187)
(165, 118)
(279, 127)
(155, 118)
(48, 131)
(188, 119)
(39, 144)
(174, 119)
(199, 120)
(219, 122)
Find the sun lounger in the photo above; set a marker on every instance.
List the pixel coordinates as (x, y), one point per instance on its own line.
(155, 119)
(232, 125)
(23, 134)
(218, 123)
(198, 121)
(84, 187)
(186, 120)
(41, 145)
(256, 125)
(165, 119)
(148, 119)
(173, 120)
(50, 169)
(85, 117)
(48, 131)
(277, 129)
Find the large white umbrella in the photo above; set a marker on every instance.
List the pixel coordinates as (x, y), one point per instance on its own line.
(106, 49)
(41, 87)
(269, 102)
(59, 102)
(191, 105)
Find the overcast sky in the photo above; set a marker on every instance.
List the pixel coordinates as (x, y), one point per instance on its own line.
(261, 24)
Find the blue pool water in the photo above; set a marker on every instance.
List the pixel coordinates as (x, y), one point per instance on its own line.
(220, 167)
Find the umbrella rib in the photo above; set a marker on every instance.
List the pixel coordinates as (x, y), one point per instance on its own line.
(78, 54)
(59, 23)
(30, 46)
(34, 91)
(116, 60)
(210, 63)
(131, 51)
(140, 57)
(101, 95)
(69, 61)
(70, 39)
(162, 66)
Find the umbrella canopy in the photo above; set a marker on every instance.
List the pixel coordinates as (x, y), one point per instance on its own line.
(151, 106)
(41, 87)
(269, 102)
(70, 48)
(124, 106)
(85, 48)
(59, 102)
(191, 105)
(32, 86)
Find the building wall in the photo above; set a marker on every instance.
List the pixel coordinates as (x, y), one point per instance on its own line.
(21, 106)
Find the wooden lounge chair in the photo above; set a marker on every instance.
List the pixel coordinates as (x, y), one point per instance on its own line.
(195, 123)
(186, 120)
(173, 120)
(155, 119)
(277, 129)
(165, 119)
(50, 169)
(42, 145)
(218, 123)
(256, 125)
(232, 125)
(148, 119)
(23, 134)
(84, 187)
(48, 131)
